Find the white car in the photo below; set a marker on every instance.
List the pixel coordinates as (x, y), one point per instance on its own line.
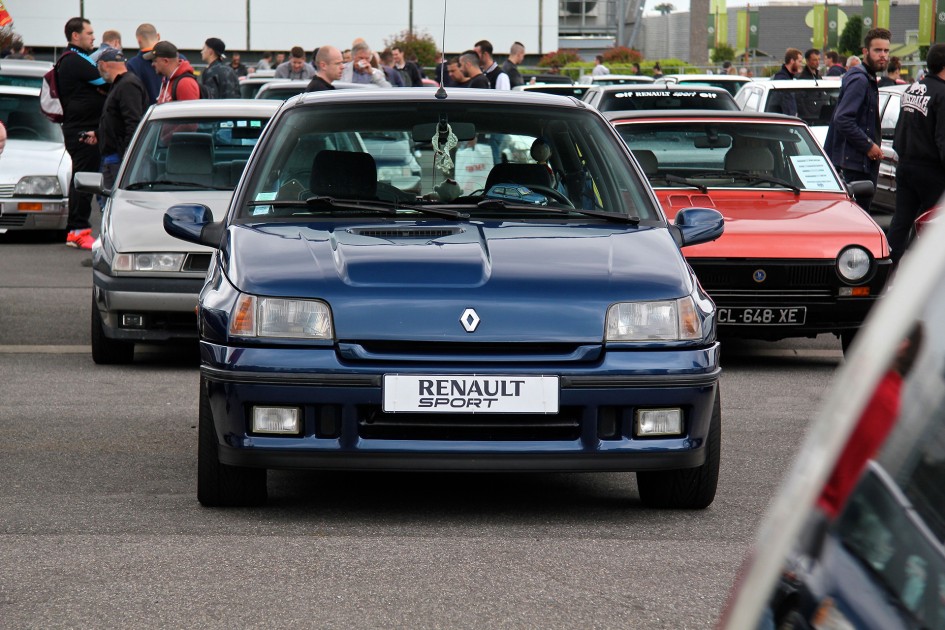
(145, 282)
(34, 167)
(731, 82)
(614, 79)
(814, 100)
(23, 72)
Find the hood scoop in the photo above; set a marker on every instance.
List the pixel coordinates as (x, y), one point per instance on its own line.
(411, 232)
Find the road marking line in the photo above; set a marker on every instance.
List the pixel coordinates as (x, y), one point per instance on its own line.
(45, 349)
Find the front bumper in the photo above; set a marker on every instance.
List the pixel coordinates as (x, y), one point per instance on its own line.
(345, 427)
(41, 213)
(166, 306)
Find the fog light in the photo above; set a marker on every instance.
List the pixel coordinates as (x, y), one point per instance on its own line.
(854, 291)
(649, 422)
(27, 206)
(132, 321)
(283, 420)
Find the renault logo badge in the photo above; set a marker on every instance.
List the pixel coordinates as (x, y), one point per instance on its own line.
(759, 275)
(470, 320)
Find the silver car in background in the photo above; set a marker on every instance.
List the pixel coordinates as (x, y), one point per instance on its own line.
(145, 283)
(34, 168)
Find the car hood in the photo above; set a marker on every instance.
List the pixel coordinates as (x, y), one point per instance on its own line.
(26, 157)
(779, 224)
(413, 280)
(134, 220)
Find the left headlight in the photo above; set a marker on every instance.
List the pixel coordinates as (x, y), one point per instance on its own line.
(854, 263)
(666, 320)
(158, 261)
(38, 186)
(281, 318)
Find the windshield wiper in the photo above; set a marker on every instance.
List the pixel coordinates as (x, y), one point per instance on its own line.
(766, 178)
(328, 203)
(617, 217)
(167, 182)
(676, 179)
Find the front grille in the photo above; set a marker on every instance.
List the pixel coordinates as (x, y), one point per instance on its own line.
(6, 190)
(197, 262)
(469, 349)
(12, 220)
(406, 232)
(778, 276)
(373, 423)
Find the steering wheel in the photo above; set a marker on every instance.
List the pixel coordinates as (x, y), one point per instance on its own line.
(18, 131)
(551, 192)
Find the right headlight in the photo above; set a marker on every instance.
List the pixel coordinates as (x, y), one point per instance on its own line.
(665, 320)
(280, 318)
(853, 264)
(38, 186)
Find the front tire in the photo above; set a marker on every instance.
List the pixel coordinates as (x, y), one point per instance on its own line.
(220, 485)
(106, 351)
(687, 488)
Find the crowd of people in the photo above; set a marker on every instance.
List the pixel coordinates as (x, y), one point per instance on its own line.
(104, 93)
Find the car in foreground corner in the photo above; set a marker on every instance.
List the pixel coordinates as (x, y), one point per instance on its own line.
(145, 283)
(612, 98)
(346, 323)
(799, 257)
(856, 536)
(34, 168)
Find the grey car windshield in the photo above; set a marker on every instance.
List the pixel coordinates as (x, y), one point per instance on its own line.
(444, 153)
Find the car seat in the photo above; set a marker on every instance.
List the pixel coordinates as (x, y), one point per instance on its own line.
(190, 158)
(344, 174)
(647, 160)
(749, 160)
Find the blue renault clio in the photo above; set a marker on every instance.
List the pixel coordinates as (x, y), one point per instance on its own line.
(346, 323)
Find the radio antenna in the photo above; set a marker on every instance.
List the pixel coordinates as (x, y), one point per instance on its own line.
(441, 91)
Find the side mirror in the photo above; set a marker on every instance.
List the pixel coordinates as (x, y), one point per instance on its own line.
(193, 223)
(862, 189)
(698, 225)
(91, 183)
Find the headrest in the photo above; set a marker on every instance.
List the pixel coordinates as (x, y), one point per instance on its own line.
(647, 160)
(751, 159)
(523, 174)
(190, 153)
(344, 174)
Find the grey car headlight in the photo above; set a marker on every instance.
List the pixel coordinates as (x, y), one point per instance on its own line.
(665, 320)
(854, 263)
(157, 261)
(280, 318)
(38, 186)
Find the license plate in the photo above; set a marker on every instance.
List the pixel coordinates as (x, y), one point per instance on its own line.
(470, 394)
(763, 316)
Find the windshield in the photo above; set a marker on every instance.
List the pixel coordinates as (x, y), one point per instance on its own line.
(814, 106)
(714, 153)
(21, 116)
(21, 80)
(383, 152)
(612, 101)
(194, 153)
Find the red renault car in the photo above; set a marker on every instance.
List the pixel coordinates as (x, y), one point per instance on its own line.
(798, 257)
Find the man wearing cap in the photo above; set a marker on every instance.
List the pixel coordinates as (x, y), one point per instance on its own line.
(179, 82)
(125, 106)
(219, 79)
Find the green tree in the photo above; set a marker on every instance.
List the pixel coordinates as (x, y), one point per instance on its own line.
(665, 8)
(851, 39)
(723, 52)
(421, 45)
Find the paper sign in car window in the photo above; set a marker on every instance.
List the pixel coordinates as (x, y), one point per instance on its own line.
(814, 172)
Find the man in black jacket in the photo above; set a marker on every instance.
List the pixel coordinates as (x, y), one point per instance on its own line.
(510, 67)
(82, 94)
(811, 69)
(125, 106)
(920, 145)
(218, 78)
(788, 72)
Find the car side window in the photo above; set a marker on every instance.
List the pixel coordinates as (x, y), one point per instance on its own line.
(753, 101)
(891, 116)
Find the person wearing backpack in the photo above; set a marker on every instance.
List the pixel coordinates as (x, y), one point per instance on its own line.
(82, 95)
(219, 79)
(180, 83)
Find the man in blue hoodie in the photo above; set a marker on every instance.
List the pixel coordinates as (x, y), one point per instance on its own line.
(853, 138)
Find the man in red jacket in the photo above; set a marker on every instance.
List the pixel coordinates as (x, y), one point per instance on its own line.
(179, 82)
